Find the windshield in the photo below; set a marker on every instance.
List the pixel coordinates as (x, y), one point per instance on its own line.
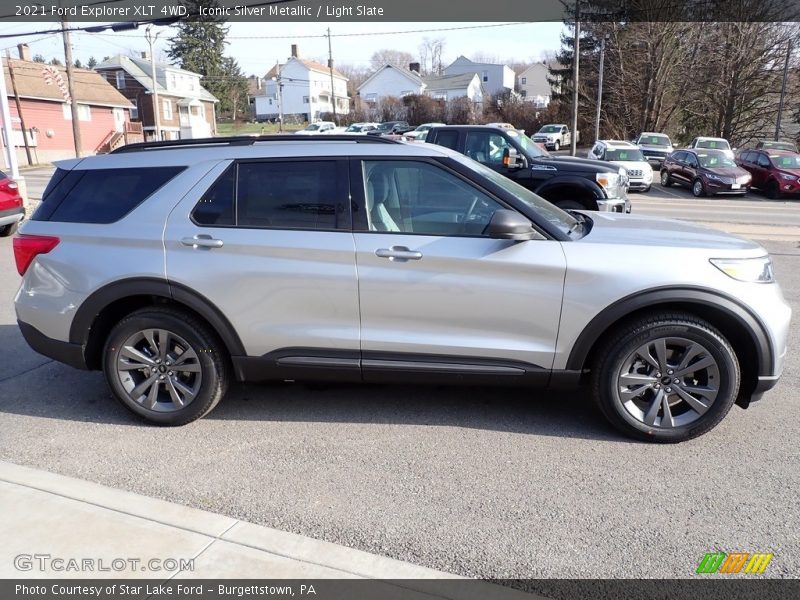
(713, 144)
(386, 126)
(312, 127)
(564, 221)
(550, 129)
(624, 155)
(779, 146)
(714, 160)
(354, 128)
(530, 147)
(655, 140)
(785, 161)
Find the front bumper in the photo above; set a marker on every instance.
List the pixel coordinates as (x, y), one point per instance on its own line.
(638, 185)
(616, 205)
(11, 215)
(718, 187)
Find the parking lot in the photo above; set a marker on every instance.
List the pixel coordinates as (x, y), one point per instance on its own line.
(479, 482)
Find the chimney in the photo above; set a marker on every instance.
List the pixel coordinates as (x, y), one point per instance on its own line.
(294, 51)
(145, 55)
(414, 67)
(24, 51)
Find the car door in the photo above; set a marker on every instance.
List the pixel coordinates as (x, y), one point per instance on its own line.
(488, 148)
(761, 172)
(269, 244)
(690, 167)
(676, 166)
(433, 286)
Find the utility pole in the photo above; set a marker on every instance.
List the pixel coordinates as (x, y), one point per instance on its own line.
(575, 71)
(783, 91)
(73, 104)
(330, 66)
(8, 143)
(156, 109)
(279, 83)
(19, 110)
(600, 88)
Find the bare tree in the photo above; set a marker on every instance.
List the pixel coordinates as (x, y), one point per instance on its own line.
(430, 54)
(398, 58)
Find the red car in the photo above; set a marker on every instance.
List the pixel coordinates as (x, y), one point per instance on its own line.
(11, 209)
(775, 172)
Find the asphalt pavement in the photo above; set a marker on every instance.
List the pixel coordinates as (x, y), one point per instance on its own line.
(475, 482)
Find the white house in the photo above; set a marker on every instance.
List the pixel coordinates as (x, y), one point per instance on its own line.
(450, 87)
(390, 80)
(534, 86)
(495, 78)
(301, 87)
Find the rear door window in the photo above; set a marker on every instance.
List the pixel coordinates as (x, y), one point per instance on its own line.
(100, 196)
(448, 139)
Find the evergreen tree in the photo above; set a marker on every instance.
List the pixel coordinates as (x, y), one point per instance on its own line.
(39, 58)
(91, 63)
(78, 64)
(55, 62)
(234, 101)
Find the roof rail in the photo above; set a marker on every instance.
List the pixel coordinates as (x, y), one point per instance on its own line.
(249, 140)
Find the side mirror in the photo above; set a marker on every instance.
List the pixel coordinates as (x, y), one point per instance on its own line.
(674, 144)
(509, 225)
(512, 159)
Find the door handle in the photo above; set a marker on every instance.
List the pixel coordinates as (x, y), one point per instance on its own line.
(202, 240)
(398, 254)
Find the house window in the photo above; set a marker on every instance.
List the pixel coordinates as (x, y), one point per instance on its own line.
(120, 80)
(524, 80)
(524, 93)
(135, 109)
(305, 99)
(84, 112)
(167, 106)
(372, 97)
(486, 75)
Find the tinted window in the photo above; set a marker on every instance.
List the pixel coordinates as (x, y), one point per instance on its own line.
(288, 195)
(763, 161)
(100, 195)
(416, 197)
(486, 147)
(216, 205)
(748, 157)
(679, 156)
(448, 139)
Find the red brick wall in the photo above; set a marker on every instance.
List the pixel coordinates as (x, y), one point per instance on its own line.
(45, 115)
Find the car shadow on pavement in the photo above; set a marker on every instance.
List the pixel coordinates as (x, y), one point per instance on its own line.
(39, 387)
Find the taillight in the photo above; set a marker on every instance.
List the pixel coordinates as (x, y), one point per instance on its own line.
(28, 247)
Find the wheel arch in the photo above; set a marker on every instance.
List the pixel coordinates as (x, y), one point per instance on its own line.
(106, 306)
(742, 328)
(587, 192)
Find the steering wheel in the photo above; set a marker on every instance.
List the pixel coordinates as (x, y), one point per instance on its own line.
(468, 214)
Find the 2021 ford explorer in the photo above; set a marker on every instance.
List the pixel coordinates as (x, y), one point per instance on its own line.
(178, 267)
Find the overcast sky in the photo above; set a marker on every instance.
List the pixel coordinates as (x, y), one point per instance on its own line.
(257, 46)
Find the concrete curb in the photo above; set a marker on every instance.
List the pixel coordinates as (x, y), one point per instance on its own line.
(70, 518)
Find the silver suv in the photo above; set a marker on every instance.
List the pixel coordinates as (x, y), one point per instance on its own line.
(177, 267)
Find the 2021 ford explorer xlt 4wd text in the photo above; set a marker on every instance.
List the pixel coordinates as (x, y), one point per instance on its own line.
(177, 267)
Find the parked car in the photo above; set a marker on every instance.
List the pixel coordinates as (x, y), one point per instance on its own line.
(553, 137)
(179, 267)
(391, 128)
(712, 143)
(773, 145)
(654, 146)
(774, 172)
(420, 132)
(706, 172)
(567, 182)
(12, 210)
(360, 128)
(318, 127)
(629, 156)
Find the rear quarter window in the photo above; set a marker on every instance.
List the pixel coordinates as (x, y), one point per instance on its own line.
(99, 196)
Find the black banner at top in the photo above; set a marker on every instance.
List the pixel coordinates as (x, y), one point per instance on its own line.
(145, 11)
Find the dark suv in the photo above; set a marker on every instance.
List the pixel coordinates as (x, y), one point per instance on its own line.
(391, 127)
(774, 172)
(705, 172)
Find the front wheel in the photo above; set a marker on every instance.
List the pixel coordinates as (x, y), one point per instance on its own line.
(773, 191)
(697, 188)
(570, 205)
(165, 366)
(557, 146)
(666, 378)
(666, 180)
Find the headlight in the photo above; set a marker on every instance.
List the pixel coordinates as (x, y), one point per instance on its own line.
(751, 270)
(609, 180)
(714, 177)
(787, 177)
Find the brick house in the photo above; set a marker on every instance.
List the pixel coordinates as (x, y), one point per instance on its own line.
(103, 113)
(186, 109)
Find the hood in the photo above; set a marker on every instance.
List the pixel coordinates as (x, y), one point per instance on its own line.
(633, 164)
(727, 171)
(573, 163)
(630, 230)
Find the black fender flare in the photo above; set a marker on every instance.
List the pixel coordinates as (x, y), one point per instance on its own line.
(719, 301)
(572, 180)
(148, 286)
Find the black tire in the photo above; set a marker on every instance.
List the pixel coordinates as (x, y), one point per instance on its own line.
(10, 229)
(645, 190)
(683, 422)
(570, 205)
(772, 190)
(557, 146)
(698, 189)
(209, 360)
(666, 180)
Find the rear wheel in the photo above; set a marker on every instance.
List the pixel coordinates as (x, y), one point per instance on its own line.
(666, 180)
(698, 189)
(165, 366)
(667, 378)
(10, 229)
